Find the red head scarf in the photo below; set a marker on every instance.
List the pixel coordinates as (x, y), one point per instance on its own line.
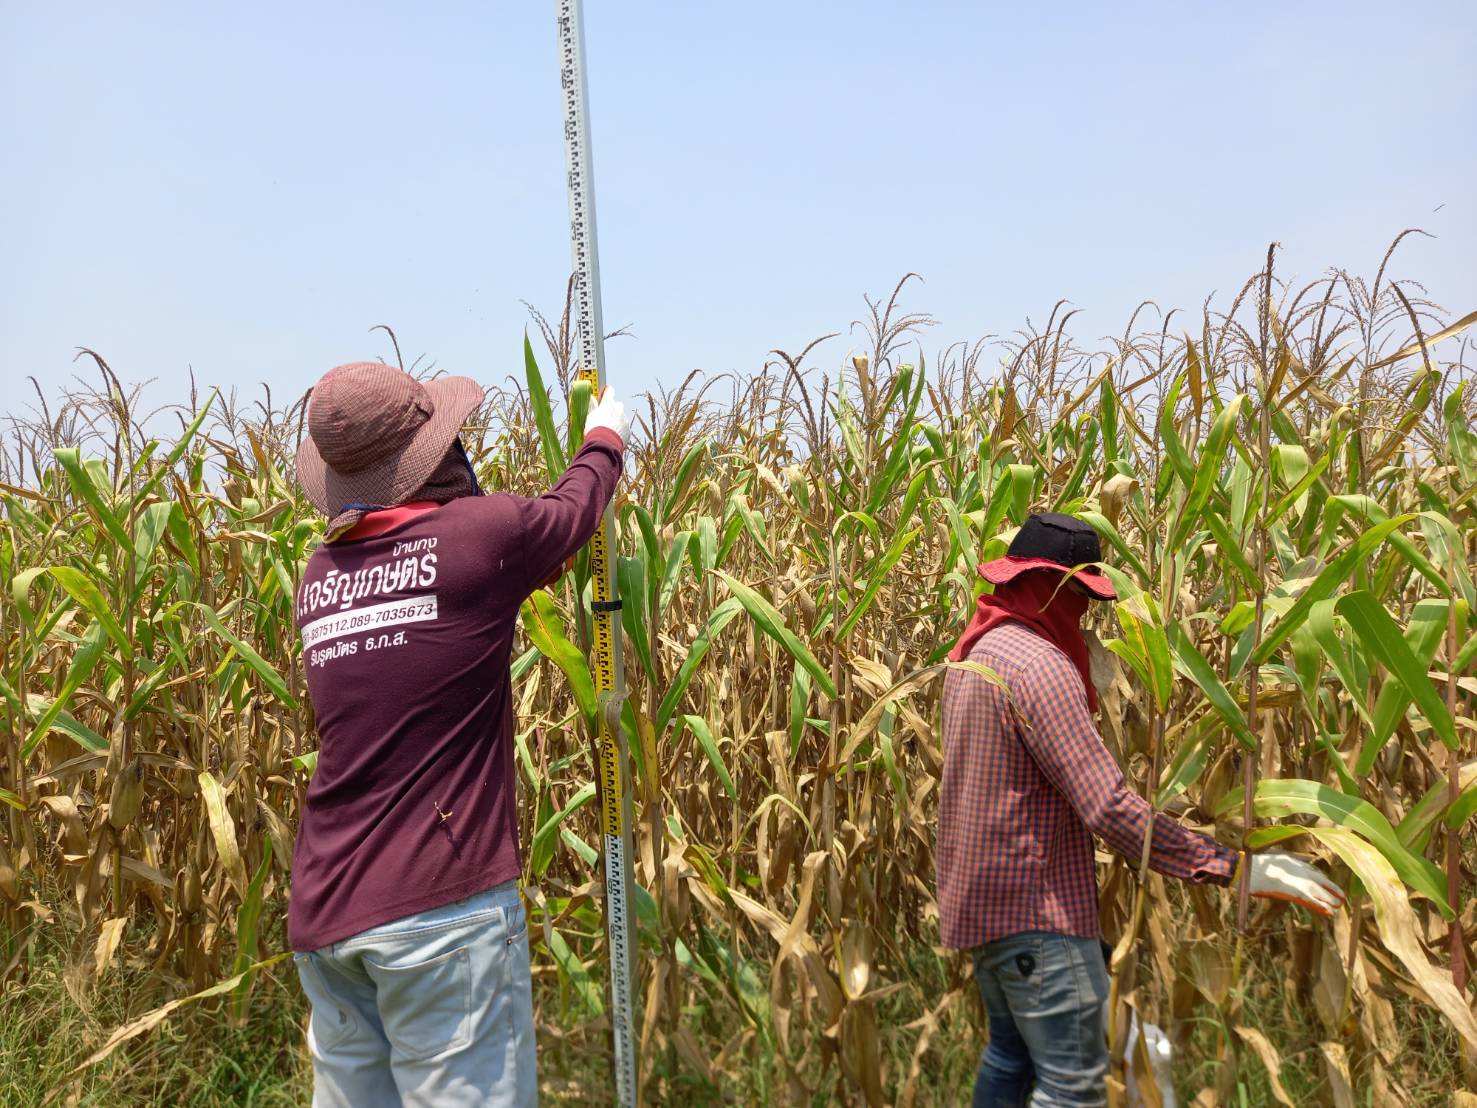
(1043, 601)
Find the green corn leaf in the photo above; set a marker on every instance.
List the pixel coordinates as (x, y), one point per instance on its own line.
(1107, 531)
(1086, 451)
(546, 838)
(1423, 635)
(543, 414)
(703, 546)
(687, 471)
(67, 724)
(1302, 483)
(1460, 436)
(83, 484)
(879, 578)
(20, 590)
(90, 598)
(799, 707)
(631, 575)
(523, 663)
(1331, 639)
(1336, 573)
(149, 529)
(753, 523)
(1290, 462)
(704, 735)
(1147, 646)
(1420, 822)
(1381, 636)
(1293, 796)
(770, 622)
(1369, 511)
(588, 854)
(545, 629)
(176, 452)
(1108, 417)
(647, 526)
(183, 536)
(1021, 480)
(248, 916)
(84, 660)
(671, 573)
(254, 661)
(1212, 459)
(580, 395)
(1229, 546)
(1447, 549)
(1169, 437)
(1191, 756)
(574, 972)
(1195, 666)
(1461, 810)
(865, 519)
(733, 527)
(963, 539)
(719, 619)
(888, 750)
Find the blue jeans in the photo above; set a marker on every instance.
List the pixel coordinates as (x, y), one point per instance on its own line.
(1046, 999)
(433, 1009)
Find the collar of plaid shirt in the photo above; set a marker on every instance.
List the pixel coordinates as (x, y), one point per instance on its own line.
(1043, 601)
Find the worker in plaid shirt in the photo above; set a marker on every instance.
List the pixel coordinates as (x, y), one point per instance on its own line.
(1027, 782)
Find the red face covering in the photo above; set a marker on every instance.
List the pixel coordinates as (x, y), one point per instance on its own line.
(1042, 601)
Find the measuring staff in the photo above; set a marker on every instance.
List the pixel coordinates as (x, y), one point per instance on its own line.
(605, 652)
(407, 920)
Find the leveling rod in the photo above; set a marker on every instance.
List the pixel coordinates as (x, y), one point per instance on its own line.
(605, 652)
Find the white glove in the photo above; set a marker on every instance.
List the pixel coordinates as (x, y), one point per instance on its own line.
(1276, 876)
(609, 413)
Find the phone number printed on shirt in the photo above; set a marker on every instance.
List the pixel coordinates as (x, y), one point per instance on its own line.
(377, 617)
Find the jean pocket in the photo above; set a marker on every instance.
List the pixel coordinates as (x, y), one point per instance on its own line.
(515, 923)
(332, 1020)
(426, 1006)
(1017, 964)
(513, 946)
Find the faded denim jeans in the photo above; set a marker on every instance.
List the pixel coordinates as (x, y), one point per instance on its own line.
(1046, 999)
(433, 1009)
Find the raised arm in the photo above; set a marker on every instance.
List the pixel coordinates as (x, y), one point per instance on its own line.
(558, 523)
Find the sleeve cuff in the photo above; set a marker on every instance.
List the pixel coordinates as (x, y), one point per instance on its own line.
(1225, 870)
(607, 436)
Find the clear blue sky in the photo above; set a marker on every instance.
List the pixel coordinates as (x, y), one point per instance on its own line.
(248, 188)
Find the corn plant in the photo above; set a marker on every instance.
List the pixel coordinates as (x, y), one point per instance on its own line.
(1286, 501)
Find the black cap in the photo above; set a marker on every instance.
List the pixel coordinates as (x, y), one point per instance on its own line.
(1063, 539)
(1050, 541)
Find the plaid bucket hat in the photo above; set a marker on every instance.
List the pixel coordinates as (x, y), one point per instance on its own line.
(1051, 540)
(376, 434)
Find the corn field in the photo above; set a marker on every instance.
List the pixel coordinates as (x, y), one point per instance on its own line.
(1286, 489)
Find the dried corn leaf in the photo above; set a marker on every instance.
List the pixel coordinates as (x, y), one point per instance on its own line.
(1270, 1059)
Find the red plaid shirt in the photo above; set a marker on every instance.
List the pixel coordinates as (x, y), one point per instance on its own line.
(1022, 796)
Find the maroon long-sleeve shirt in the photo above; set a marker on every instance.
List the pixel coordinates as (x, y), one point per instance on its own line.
(1027, 782)
(407, 628)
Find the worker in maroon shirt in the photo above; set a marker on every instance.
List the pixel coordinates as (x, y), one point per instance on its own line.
(406, 917)
(1027, 783)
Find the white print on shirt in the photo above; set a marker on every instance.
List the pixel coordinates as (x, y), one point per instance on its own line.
(326, 654)
(411, 565)
(377, 617)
